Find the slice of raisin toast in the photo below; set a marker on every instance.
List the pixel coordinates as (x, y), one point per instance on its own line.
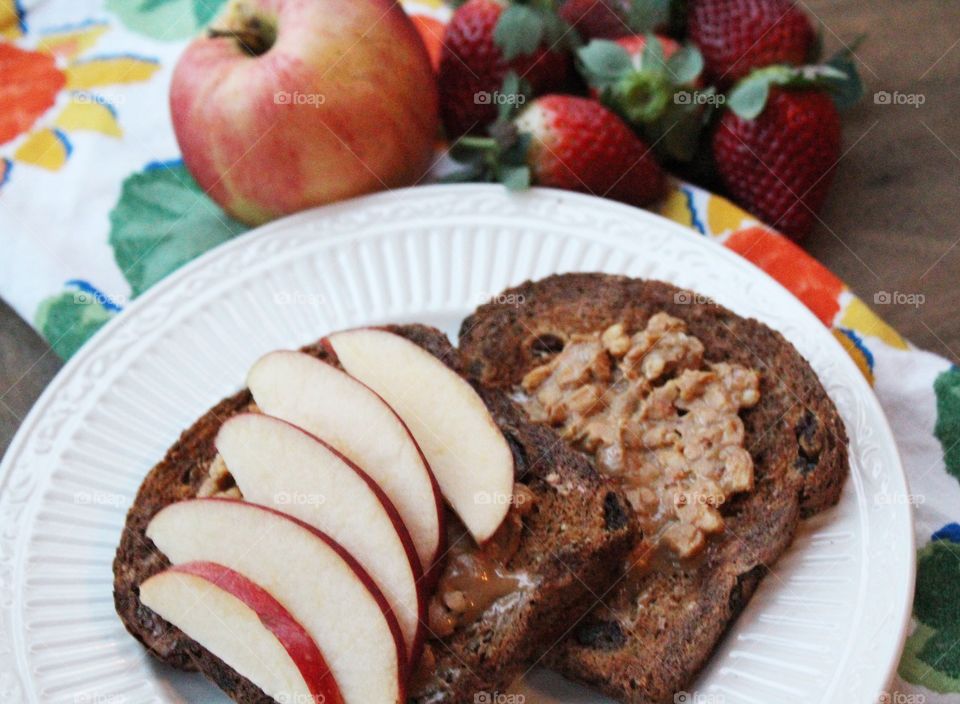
(663, 620)
(559, 547)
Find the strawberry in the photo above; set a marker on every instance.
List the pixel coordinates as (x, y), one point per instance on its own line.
(598, 19)
(653, 83)
(610, 19)
(736, 36)
(634, 45)
(778, 164)
(484, 40)
(572, 143)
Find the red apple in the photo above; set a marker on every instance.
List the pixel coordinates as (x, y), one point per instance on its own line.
(450, 422)
(243, 625)
(288, 104)
(318, 582)
(279, 465)
(327, 402)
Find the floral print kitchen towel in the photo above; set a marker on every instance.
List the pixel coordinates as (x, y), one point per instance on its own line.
(96, 206)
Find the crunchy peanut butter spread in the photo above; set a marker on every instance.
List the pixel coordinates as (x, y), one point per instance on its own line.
(656, 417)
(474, 577)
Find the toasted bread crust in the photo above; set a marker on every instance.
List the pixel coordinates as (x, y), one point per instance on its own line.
(794, 434)
(571, 547)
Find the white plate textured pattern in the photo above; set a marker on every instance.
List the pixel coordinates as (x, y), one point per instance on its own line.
(826, 625)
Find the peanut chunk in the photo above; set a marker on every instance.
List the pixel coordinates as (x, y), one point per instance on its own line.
(658, 418)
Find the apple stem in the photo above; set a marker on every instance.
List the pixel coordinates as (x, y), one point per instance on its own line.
(253, 34)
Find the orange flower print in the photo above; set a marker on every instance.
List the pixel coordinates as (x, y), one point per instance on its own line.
(806, 278)
(35, 83)
(51, 87)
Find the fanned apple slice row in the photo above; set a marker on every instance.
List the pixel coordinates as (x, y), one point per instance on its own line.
(243, 625)
(322, 587)
(279, 465)
(462, 444)
(328, 403)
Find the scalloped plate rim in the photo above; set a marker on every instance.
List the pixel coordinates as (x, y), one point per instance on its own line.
(20, 441)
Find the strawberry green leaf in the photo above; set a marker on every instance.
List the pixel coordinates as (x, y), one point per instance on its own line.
(653, 54)
(514, 148)
(814, 75)
(686, 65)
(515, 92)
(849, 89)
(519, 31)
(515, 178)
(603, 62)
(501, 157)
(748, 97)
(557, 33)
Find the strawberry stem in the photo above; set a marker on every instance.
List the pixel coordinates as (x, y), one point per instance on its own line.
(483, 144)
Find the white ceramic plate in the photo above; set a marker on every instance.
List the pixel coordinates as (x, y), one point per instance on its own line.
(826, 626)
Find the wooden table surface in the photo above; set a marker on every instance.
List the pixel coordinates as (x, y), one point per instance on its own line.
(889, 227)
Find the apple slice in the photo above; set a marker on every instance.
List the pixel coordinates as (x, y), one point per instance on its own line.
(328, 403)
(240, 623)
(279, 465)
(314, 578)
(448, 419)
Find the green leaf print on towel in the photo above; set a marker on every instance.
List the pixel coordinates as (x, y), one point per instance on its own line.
(162, 221)
(68, 319)
(166, 20)
(931, 657)
(947, 429)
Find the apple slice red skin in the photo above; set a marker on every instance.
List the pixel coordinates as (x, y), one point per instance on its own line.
(365, 579)
(423, 592)
(327, 345)
(436, 564)
(316, 673)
